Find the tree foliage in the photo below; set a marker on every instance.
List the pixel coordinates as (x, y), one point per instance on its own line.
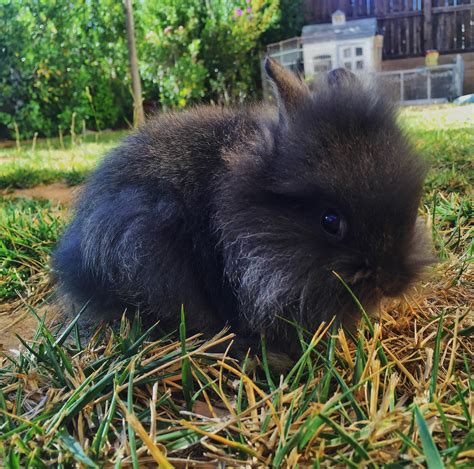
(64, 63)
(290, 20)
(59, 59)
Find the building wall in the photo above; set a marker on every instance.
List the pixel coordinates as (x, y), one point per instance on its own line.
(333, 49)
(414, 62)
(410, 27)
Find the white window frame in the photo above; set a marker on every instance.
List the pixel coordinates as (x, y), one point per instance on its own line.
(353, 59)
(322, 58)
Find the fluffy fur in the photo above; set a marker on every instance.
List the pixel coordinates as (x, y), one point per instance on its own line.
(220, 210)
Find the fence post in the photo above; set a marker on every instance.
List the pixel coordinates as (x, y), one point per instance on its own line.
(263, 77)
(402, 87)
(428, 84)
(459, 74)
(427, 25)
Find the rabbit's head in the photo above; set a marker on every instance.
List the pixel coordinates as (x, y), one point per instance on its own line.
(333, 187)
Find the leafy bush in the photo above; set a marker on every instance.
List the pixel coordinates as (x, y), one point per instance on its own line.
(64, 65)
(230, 46)
(168, 45)
(202, 50)
(289, 22)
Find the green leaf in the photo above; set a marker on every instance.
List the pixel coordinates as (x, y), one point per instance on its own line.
(358, 448)
(187, 375)
(431, 453)
(75, 449)
(131, 432)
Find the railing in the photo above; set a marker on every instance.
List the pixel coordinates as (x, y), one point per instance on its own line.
(426, 84)
(287, 52)
(439, 83)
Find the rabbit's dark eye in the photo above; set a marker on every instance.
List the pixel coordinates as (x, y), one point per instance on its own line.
(332, 223)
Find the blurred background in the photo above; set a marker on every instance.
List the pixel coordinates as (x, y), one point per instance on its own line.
(64, 65)
(60, 58)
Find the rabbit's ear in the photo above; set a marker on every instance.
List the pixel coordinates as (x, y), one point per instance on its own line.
(341, 77)
(289, 89)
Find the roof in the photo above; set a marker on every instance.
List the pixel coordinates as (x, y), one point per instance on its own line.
(326, 32)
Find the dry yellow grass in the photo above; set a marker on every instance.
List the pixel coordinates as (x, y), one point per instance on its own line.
(398, 393)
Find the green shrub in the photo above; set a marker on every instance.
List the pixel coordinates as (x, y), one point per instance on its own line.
(64, 65)
(197, 50)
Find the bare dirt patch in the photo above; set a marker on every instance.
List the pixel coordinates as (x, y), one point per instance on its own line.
(23, 324)
(15, 318)
(58, 192)
(8, 159)
(9, 143)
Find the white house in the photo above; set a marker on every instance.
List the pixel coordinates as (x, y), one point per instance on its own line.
(354, 45)
(357, 46)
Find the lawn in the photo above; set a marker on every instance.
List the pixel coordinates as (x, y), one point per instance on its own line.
(398, 393)
(30, 163)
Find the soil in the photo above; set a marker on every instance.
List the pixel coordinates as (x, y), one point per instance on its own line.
(7, 159)
(19, 321)
(57, 193)
(12, 143)
(23, 324)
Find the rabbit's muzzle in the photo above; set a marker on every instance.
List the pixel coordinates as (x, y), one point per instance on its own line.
(384, 282)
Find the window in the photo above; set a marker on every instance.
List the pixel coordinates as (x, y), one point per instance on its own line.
(352, 58)
(322, 63)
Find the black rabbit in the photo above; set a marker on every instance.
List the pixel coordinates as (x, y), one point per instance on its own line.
(242, 215)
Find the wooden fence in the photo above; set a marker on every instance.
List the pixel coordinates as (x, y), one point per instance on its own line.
(410, 27)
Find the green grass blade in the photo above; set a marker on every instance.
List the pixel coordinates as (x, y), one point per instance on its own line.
(444, 424)
(187, 375)
(326, 381)
(131, 432)
(71, 325)
(358, 448)
(436, 356)
(73, 446)
(101, 434)
(266, 368)
(431, 453)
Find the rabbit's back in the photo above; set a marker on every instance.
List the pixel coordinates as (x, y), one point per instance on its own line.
(182, 149)
(141, 234)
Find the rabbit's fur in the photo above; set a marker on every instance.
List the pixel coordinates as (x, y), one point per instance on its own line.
(220, 210)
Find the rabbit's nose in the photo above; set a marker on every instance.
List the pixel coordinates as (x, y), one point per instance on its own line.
(390, 283)
(362, 274)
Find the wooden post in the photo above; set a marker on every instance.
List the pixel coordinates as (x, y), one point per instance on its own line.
(428, 85)
(402, 87)
(427, 25)
(139, 115)
(459, 74)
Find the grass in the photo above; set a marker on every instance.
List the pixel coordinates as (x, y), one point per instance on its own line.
(28, 230)
(53, 160)
(398, 393)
